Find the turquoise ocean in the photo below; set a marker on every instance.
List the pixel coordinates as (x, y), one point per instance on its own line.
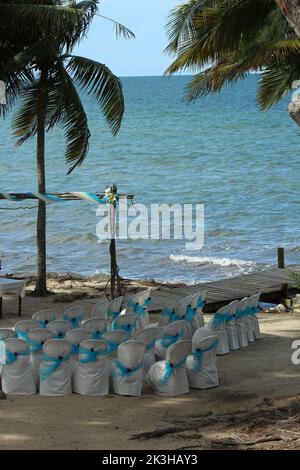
(222, 151)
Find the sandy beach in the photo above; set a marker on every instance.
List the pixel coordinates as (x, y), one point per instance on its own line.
(256, 405)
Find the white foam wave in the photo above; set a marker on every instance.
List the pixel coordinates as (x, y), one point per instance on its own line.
(205, 260)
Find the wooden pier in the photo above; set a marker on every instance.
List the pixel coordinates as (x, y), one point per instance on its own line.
(271, 283)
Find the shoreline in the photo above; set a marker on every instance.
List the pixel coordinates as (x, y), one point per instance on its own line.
(68, 287)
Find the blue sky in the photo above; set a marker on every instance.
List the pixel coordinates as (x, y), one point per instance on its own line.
(141, 56)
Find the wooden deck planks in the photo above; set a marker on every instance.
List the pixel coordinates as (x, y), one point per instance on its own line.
(223, 291)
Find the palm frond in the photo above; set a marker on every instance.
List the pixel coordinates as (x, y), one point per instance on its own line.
(120, 30)
(181, 23)
(74, 121)
(16, 83)
(212, 80)
(64, 107)
(238, 21)
(275, 83)
(98, 81)
(52, 18)
(24, 122)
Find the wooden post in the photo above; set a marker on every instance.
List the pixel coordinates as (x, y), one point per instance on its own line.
(0, 307)
(280, 258)
(20, 306)
(115, 290)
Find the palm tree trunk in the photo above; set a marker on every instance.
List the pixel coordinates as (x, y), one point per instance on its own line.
(291, 10)
(41, 282)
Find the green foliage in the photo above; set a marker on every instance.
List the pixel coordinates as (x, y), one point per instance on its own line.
(37, 38)
(225, 40)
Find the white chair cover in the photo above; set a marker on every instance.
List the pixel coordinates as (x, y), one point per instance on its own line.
(100, 309)
(231, 328)
(59, 328)
(17, 375)
(23, 327)
(147, 336)
(173, 312)
(113, 309)
(126, 322)
(4, 334)
(169, 377)
(96, 327)
(217, 324)
(201, 364)
(56, 369)
(113, 339)
(241, 323)
(181, 308)
(36, 340)
(75, 337)
(198, 302)
(254, 305)
(91, 373)
(138, 304)
(248, 320)
(127, 370)
(163, 320)
(7, 333)
(44, 317)
(74, 315)
(173, 332)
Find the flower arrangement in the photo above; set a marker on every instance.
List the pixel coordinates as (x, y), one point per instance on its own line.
(111, 195)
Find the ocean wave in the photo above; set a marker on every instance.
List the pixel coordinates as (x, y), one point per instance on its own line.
(205, 260)
(294, 249)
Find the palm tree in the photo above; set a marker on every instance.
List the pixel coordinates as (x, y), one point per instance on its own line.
(227, 39)
(46, 75)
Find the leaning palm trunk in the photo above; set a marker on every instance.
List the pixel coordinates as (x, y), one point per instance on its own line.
(294, 110)
(41, 284)
(291, 10)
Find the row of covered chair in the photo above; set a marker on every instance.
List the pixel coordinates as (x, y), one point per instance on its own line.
(116, 331)
(236, 324)
(172, 354)
(56, 367)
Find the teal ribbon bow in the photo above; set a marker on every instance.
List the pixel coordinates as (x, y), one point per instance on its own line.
(75, 348)
(75, 321)
(170, 369)
(150, 345)
(59, 335)
(35, 346)
(255, 310)
(112, 346)
(44, 323)
(220, 319)
(124, 371)
(91, 355)
(22, 334)
(12, 357)
(168, 340)
(112, 314)
(198, 355)
(127, 328)
(97, 334)
(190, 313)
(137, 308)
(200, 302)
(55, 362)
(171, 314)
(148, 302)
